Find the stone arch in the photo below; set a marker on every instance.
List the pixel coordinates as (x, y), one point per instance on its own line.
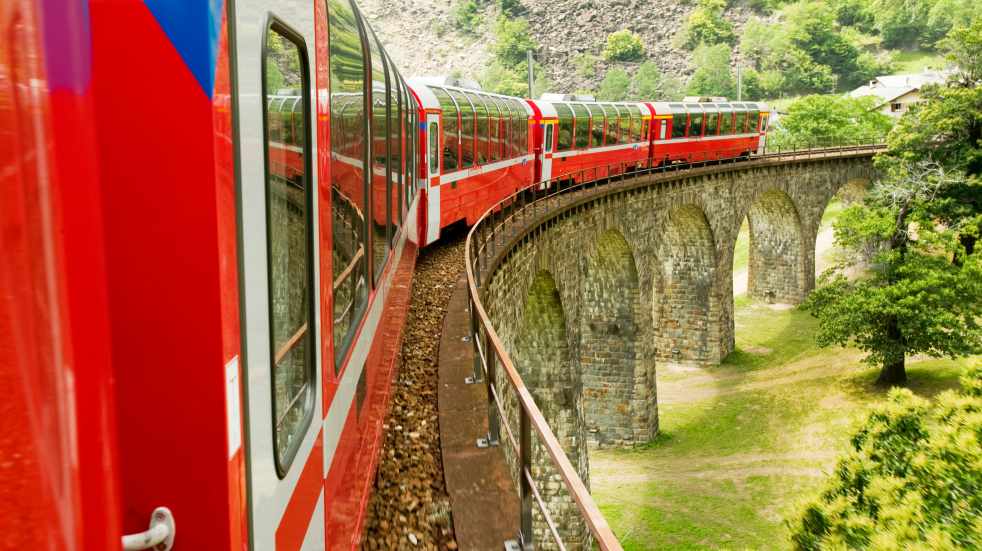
(618, 401)
(542, 354)
(776, 266)
(687, 307)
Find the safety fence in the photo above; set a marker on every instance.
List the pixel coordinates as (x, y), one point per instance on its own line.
(496, 232)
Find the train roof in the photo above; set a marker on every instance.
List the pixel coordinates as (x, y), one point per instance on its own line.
(424, 89)
(668, 108)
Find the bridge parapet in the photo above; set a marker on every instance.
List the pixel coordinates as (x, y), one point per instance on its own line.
(577, 291)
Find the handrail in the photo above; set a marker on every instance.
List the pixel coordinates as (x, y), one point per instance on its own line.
(480, 253)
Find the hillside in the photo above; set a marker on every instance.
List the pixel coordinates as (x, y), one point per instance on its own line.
(422, 39)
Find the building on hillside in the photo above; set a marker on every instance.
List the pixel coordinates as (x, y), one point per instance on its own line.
(896, 93)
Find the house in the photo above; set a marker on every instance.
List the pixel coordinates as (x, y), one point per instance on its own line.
(896, 93)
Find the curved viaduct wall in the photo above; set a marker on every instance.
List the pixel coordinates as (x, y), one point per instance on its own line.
(589, 300)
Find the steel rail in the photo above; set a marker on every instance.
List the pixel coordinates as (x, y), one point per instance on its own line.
(490, 236)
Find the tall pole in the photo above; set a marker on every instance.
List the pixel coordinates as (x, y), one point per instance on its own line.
(528, 56)
(739, 83)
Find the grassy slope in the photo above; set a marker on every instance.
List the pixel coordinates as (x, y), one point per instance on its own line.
(741, 444)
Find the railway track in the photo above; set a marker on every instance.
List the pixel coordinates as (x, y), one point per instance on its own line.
(410, 507)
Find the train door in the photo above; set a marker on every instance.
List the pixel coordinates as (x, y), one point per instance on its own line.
(548, 147)
(761, 144)
(433, 149)
(278, 273)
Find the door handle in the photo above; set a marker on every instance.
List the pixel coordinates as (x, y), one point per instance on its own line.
(159, 536)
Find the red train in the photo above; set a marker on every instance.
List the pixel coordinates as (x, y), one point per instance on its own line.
(210, 220)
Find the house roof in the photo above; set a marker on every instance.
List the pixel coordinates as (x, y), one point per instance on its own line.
(890, 87)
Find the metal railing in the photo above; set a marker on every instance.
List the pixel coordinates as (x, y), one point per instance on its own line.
(495, 233)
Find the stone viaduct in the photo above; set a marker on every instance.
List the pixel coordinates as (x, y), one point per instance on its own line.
(590, 296)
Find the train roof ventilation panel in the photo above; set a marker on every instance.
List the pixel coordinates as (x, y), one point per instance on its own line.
(456, 82)
(703, 99)
(567, 97)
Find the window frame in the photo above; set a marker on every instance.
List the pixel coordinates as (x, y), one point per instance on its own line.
(274, 24)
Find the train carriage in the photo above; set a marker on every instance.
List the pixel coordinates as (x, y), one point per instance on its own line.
(480, 151)
(592, 139)
(686, 132)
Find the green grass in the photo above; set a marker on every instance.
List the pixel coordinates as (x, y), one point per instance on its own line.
(915, 61)
(743, 443)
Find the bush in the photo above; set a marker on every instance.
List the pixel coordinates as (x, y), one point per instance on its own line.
(510, 7)
(467, 16)
(650, 84)
(818, 119)
(706, 25)
(912, 478)
(615, 86)
(513, 41)
(713, 76)
(586, 65)
(623, 45)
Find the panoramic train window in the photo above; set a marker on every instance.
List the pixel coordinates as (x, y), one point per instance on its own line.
(752, 121)
(581, 125)
(494, 127)
(521, 128)
(695, 124)
(466, 128)
(451, 134)
(726, 123)
(483, 130)
(635, 123)
(678, 125)
(349, 162)
(597, 125)
(712, 123)
(379, 176)
(394, 148)
(290, 240)
(565, 141)
(741, 123)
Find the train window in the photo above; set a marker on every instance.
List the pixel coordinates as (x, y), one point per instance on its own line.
(466, 128)
(395, 149)
(451, 135)
(635, 123)
(547, 129)
(726, 123)
(678, 125)
(581, 126)
(499, 114)
(290, 240)
(409, 123)
(763, 122)
(610, 124)
(522, 133)
(483, 130)
(380, 175)
(597, 125)
(741, 123)
(712, 123)
(753, 121)
(565, 141)
(433, 135)
(349, 160)
(695, 124)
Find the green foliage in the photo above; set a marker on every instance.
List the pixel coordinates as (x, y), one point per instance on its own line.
(586, 65)
(624, 45)
(713, 76)
(500, 79)
(615, 86)
(911, 480)
(706, 25)
(820, 119)
(964, 48)
(650, 84)
(513, 40)
(467, 15)
(510, 7)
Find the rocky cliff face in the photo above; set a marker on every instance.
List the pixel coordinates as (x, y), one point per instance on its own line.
(420, 36)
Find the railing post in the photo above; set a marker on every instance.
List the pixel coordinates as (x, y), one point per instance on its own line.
(478, 375)
(494, 423)
(526, 536)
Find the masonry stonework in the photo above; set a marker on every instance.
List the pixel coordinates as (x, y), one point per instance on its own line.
(641, 275)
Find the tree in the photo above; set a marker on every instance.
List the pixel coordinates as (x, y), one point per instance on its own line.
(623, 45)
(828, 119)
(615, 86)
(706, 25)
(713, 76)
(513, 41)
(467, 15)
(910, 480)
(651, 84)
(923, 292)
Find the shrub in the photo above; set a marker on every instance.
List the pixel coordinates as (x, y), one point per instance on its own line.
(912, 478)
(817, 118)
(510, 7)
(706, 25)
(615, 86)
(624, 45)
(650, 84)
(513, 41)
(467, 15)
(713, 76)
(586, 65)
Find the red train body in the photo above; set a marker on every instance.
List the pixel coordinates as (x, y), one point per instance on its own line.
(211, 217)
